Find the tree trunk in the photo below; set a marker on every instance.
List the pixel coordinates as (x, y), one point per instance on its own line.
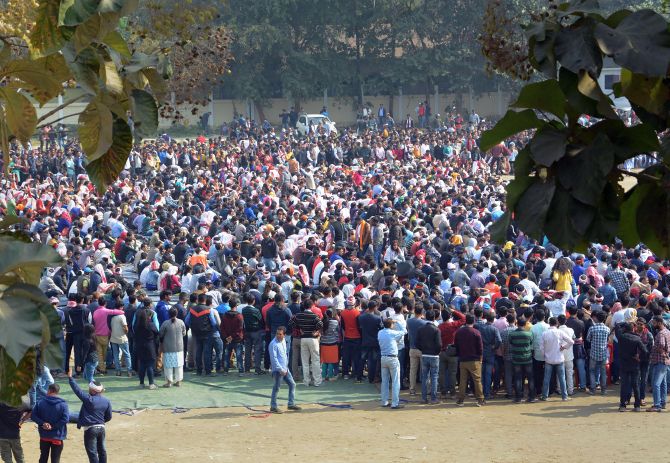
(259, 111)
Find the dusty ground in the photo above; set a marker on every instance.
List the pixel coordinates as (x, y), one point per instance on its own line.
(498, 432)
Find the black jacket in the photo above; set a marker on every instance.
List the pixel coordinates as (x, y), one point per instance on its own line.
(9, 421)
(630, 349)
(428, 340)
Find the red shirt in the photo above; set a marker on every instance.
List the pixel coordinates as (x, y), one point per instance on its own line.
(448, 329)
(348, 318)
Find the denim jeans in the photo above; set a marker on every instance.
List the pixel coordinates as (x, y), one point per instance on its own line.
(236, 346)
(644, 379)
(521, 371)
(124, 350)
(203, 353)
(370, 357)
(94, 443)
(630, 384)
(430, 367)
(270, 264)
(581, 372)
(659, 383)
(218, 348)
(598, 373)
(288, 379)
(89, 371)
(549, 369)
(351, 357)
(390, 373)
(253, 341)
(487, 375)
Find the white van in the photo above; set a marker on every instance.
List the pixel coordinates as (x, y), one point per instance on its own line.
(305, 120)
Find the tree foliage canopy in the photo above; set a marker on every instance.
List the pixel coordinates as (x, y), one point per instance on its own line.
(567, 183)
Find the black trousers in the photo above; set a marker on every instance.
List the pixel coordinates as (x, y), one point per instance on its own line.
(73, 342)
(47, 448)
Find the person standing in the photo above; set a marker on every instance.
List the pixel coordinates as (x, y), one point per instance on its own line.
(171, 335)
(202, 322)
(51, 416)
(253, 334)
(452, 321)
(429, 342)
(491, 341)
(310, 326)
(119, 341)
(76, 317)
(658, 363)
(598, 355)
(521, 351)
(469, 348)
(96, 410)
(102, 333)
(370, 322)
(568, 355)
(538, 328)
(280, 371)
(554, 342)
(146, 336)
(351, 343)
(11, 419)
(631, 350)
(388, 339)
(413, 326)
(232, 332)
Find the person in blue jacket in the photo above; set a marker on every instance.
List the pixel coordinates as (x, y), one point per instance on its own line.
(96, 410)
(51, 416)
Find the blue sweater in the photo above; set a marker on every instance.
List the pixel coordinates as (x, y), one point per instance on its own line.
(95, 409)
(52, 410)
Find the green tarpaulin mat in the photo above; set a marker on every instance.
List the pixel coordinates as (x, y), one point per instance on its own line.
(219, 391)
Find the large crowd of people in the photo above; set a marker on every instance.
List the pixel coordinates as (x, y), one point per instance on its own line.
(358, 256)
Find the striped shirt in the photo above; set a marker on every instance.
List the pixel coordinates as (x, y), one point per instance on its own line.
(520, 346)
(308, 323)
(597, 336)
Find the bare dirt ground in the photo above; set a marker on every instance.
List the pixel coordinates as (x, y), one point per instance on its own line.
(579, 431)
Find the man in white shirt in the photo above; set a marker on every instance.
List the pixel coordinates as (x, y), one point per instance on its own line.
(568, 355)
(531, 288)
(119, 340)
(552, 345)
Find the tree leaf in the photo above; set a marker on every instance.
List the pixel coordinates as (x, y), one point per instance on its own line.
(498, 229)
(545, 96)
(116, 42)
(111, 77)
(40, 77)
(24, 262)
(585, 175)
(20, 113)
(577, 103)
(20, 324)
(85, 67)
(75, 12)
(653, 220)
(558, 228)
(651, 93)
(576, 48)
(46, 37)
(15, 381)
(156, 82)
(512, 123)
(106, 169)
(640, 42)
(531, 210)
(548, 145)
(95, 129)
(629, 208)
(589, 87)
(145, 114)
(541, 52)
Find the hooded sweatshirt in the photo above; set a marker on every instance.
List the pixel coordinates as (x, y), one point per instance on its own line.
(52, 410)
(232, 324)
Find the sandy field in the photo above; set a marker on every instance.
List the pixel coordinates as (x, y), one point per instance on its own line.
(498, 432)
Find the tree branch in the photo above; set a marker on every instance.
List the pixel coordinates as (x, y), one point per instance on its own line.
(54, 111)
(58, 120)
(640, 175)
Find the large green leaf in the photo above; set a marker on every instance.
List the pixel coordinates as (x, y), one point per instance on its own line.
(20, 324)
(116, 42)
(85, 67)
(20, 113)
(23, 262)
(46, 37)
(629, 208)
(512, 123)
(640, 42)
(75, 12)
(548, 145)
(43, 77)
(653, 220)
(111, 77)
(577, 103)
(544, 96)
(145, 114)
(585, 174)
(106, 169)
(95, 129)
(626, 141)
(576, 48)
(541, 42)
(652, 93)
(531, 210)
(499, 228)
(15, 380)
(156, 82)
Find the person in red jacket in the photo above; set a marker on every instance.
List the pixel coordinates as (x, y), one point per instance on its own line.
(232, 333)
(452, 320)
(351, 345)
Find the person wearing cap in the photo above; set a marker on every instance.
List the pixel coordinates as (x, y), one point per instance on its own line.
(96, 410)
